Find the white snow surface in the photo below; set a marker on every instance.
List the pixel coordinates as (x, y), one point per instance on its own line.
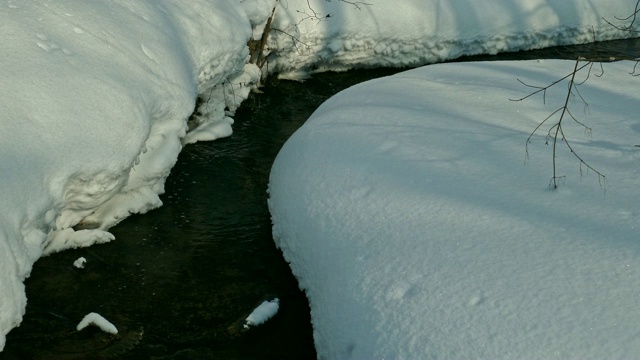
(99, 321)
(96, 95)
(416, 32)
(265, 311)
(418, 230)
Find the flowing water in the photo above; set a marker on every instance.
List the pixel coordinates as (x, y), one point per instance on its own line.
(178, 281)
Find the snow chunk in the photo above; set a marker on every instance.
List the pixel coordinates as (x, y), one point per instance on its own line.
(79, 263)
(262, 313)
(99, 321)
(69, 238)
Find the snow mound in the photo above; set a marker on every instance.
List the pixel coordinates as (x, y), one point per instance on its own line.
(95, 102)
(319, 35)
(411, 220)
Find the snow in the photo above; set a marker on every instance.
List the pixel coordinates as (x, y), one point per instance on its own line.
(419, 228)
(99, 321)
(79, 263)
(415, 32)
(95, 100)
(97, 96)
(265, 311)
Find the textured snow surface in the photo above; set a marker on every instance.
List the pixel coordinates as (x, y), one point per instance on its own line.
(417, 230)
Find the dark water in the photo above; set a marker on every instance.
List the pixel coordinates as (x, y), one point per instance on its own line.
(607, 50)
(176, 280)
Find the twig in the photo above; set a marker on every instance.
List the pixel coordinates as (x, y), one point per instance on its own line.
(556, 131)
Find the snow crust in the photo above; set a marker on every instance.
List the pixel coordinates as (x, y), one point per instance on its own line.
(97, 96)
(99, 321)
(419, 229)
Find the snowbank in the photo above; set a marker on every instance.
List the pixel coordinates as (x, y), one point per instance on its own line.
(418, 231)
(95, 101)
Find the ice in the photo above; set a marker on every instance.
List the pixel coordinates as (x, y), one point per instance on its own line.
(95, 98)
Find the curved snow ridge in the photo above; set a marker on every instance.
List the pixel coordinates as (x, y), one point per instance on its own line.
(96, 97)
(320, 35)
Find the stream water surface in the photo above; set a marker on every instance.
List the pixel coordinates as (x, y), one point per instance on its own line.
(177, 281)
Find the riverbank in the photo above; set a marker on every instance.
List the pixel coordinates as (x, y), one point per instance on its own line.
(60, 200)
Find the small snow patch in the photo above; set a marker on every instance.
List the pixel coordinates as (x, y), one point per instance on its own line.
(262, 313)
(79, 263)
(99, 321)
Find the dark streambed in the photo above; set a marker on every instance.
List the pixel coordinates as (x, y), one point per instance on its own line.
(177, 278)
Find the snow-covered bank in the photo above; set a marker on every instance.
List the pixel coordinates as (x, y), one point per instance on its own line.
(335, 35)
(95, 101)
(417, 230)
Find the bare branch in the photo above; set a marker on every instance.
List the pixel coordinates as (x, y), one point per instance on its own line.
(356, 4)
(543, 89)
(320, 17)
(556, 130)
(295, 39)
(313, 16)
(631, 19)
